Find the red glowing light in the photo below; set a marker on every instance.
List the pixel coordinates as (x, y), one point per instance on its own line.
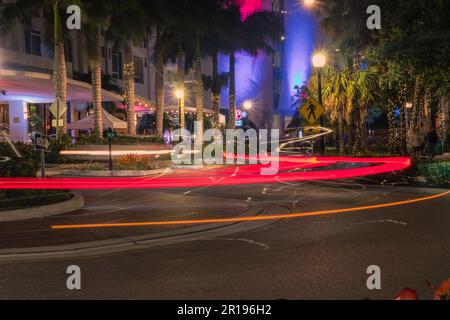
(228, 175)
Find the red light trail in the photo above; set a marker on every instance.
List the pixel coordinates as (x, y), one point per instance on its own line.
(227, 175)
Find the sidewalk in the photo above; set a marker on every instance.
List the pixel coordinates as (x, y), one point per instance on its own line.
(445, 156)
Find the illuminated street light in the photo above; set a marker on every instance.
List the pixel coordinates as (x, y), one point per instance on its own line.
(319, 60)
(408, 107)
(247, 105)
(309, 3)
(179, 94)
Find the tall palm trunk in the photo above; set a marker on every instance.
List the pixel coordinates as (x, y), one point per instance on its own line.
(96, 75)
(180, 83)
(159, 85)
(416, 105)
(215, 94)
(392, 130)
(232, 93)
(359, 131)
(129, 90)
(444, 115)
(198, 88)
(59, 65)
(352, 128)
(341, 134)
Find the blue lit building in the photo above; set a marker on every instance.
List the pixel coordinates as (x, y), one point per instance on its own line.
(268, 81)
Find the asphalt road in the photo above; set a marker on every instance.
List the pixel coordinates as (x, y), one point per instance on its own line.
(319, 257)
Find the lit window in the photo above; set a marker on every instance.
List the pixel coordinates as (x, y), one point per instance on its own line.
(138, 69)
(33, 42)
(117, 65)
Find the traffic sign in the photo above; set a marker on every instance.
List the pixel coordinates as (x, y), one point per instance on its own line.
(312, 110)
(238, 115)
(58, 108)
(109, 134)
(58, 123)
(41, 143)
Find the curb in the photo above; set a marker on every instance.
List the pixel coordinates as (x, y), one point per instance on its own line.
(114, 173)
(76, 203)
(101, 247)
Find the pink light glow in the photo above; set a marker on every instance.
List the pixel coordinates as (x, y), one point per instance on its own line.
(250, 6)
(228, 175)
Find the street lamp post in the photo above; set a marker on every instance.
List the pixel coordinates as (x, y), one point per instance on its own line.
(319, 60)
(408, 107)
(179, 94)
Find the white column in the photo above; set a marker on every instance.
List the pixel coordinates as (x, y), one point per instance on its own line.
(278, 122)
(18, 121)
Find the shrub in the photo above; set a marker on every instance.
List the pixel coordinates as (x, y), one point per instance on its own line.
(436, 172)
(25, 166)
(134, 162)
(129, 139)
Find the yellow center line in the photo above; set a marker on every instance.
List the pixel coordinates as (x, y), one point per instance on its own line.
(253, 218)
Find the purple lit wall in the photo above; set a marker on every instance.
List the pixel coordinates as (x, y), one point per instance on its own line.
(254, 75)
(300, 26)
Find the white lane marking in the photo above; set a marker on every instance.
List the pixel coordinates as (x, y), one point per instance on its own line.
(277, 178)
(260, 244)
(150, 178)
(235, 172)
(205, 187)
(383, 221)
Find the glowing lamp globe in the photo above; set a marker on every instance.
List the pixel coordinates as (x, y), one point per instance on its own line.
(319, 60)
(247, 105)
(179, 94)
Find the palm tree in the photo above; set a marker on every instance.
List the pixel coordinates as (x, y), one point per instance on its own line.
(128, 26)
(180, 80)
(202, 14)
(155, 16)
(343, 92)
(159, 82)
(215, 43)
(367, 91)
(23, 11)
(96, 20)
(176, 41)
(253, 35)
(215, 83)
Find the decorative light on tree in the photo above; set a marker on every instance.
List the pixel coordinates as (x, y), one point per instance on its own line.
(128, 73)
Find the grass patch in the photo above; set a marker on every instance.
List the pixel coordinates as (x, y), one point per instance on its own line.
(22, 199)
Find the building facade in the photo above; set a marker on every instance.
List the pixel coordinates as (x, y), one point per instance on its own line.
(26, 85)
(26, 67)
